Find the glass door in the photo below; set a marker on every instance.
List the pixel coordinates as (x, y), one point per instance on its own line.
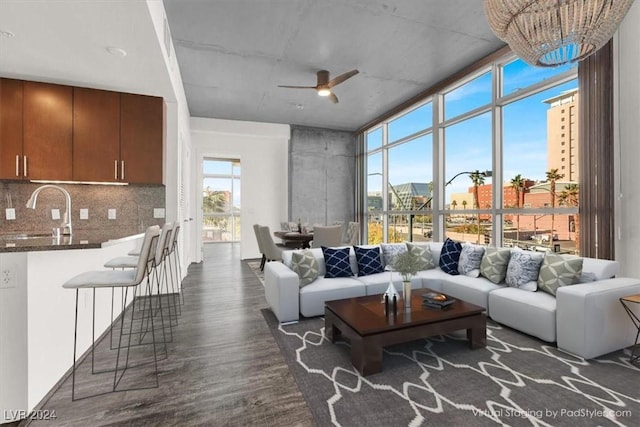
(221, 200)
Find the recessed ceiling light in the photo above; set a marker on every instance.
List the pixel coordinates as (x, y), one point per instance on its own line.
(117, 51)
(6, 33)
(300, 106)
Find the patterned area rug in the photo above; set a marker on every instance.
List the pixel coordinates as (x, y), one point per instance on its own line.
(516, 380)
(255, 267)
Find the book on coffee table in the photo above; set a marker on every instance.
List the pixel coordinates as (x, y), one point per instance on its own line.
(436, 300)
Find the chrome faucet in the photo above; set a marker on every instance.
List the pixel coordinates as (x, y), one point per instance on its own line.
(66, 222)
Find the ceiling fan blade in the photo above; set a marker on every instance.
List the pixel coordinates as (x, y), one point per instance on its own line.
(342, 77)
(333, 98)
(298, 87)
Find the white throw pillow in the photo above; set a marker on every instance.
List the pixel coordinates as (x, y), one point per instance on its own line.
(470, 259)
(523, 269)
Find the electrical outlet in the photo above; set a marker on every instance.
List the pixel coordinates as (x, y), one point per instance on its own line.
(111, 214)
(84, 213)
(158, 212)
(55, 214)
(8, 278)
(10, 214)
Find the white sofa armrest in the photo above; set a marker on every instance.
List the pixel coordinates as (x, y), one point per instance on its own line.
(590, 320)
(282, 291)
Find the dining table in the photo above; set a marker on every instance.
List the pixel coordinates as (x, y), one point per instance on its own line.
(294, 238)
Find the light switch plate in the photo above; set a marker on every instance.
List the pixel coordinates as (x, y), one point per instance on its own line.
(10, 213)
(111, 214)
(55, 213)
(158, 212)
(84, 213)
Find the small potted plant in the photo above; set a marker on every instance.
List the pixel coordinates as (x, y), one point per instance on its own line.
(407, 264)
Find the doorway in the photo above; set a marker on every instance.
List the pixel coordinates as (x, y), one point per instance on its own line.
(221, 200)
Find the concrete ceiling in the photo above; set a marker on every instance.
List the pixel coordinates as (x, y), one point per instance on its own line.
(233, 54)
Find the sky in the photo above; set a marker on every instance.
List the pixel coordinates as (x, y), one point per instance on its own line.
(468, 143)
(223, 167)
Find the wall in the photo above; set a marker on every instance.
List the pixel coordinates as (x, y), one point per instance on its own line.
(322, 175)
(262, 150)
(134, 207)
(38, 319)
(627, 112)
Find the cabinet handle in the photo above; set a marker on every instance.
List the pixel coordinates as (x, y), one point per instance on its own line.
(24, 169)
(122, 170)
(17, 165)
(115, 169)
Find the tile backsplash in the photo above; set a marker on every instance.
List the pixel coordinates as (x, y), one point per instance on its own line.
(133, 204)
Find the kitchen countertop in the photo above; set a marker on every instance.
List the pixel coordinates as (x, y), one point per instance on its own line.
(81, 239)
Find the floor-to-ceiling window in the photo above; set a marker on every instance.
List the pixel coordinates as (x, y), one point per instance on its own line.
(220, 200)
(489, 159)
(400, 178)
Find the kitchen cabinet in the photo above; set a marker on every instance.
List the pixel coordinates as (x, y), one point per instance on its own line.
(10, 129)
(96, 135)
(56, 132)
(141, 138)
(47, 131)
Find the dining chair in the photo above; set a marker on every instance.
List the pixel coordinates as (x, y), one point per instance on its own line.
(352, 235)
(256, 230)
(271, 251)
(330, 235)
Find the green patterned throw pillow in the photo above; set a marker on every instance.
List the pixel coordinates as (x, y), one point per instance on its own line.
(558, 270)
(305, 265)
(423, 253)
(494, 263)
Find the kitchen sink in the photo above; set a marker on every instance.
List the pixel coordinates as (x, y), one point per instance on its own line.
(23, 236)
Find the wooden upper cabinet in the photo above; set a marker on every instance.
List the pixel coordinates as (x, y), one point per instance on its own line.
(96, 135)
(56, 132)
(47, 130)
(141, 138)
(10, 129)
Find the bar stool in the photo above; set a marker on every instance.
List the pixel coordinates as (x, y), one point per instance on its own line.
(174, 249)
(160, 272)
(121, 279)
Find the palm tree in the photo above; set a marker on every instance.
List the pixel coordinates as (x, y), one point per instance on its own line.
(454, 204)
(518, 185)
(570, 196)
(464, 204)
(477, 178)
(552, 177)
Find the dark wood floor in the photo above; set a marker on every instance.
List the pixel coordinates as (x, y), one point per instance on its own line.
(223, 366)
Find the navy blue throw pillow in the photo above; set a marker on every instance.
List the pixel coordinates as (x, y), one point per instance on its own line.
(449, 257)
(369, 260)
(337, 262)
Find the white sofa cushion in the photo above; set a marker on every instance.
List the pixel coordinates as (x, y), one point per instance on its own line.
(314, 295)
(379, 282)
(470, 289)
(602, 268)
(431, 279)
(533, 313)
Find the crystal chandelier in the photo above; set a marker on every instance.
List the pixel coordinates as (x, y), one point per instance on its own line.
(548, 33)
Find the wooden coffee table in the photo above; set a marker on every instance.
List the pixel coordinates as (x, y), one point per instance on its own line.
(363, 321)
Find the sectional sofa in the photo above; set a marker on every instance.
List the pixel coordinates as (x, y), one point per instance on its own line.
(584, 319)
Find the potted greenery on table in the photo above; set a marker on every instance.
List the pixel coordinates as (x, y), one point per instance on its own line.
(407, 264)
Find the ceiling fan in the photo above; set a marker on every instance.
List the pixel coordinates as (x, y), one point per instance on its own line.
(324, 85)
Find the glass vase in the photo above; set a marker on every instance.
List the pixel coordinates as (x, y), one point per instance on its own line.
(406, 293)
